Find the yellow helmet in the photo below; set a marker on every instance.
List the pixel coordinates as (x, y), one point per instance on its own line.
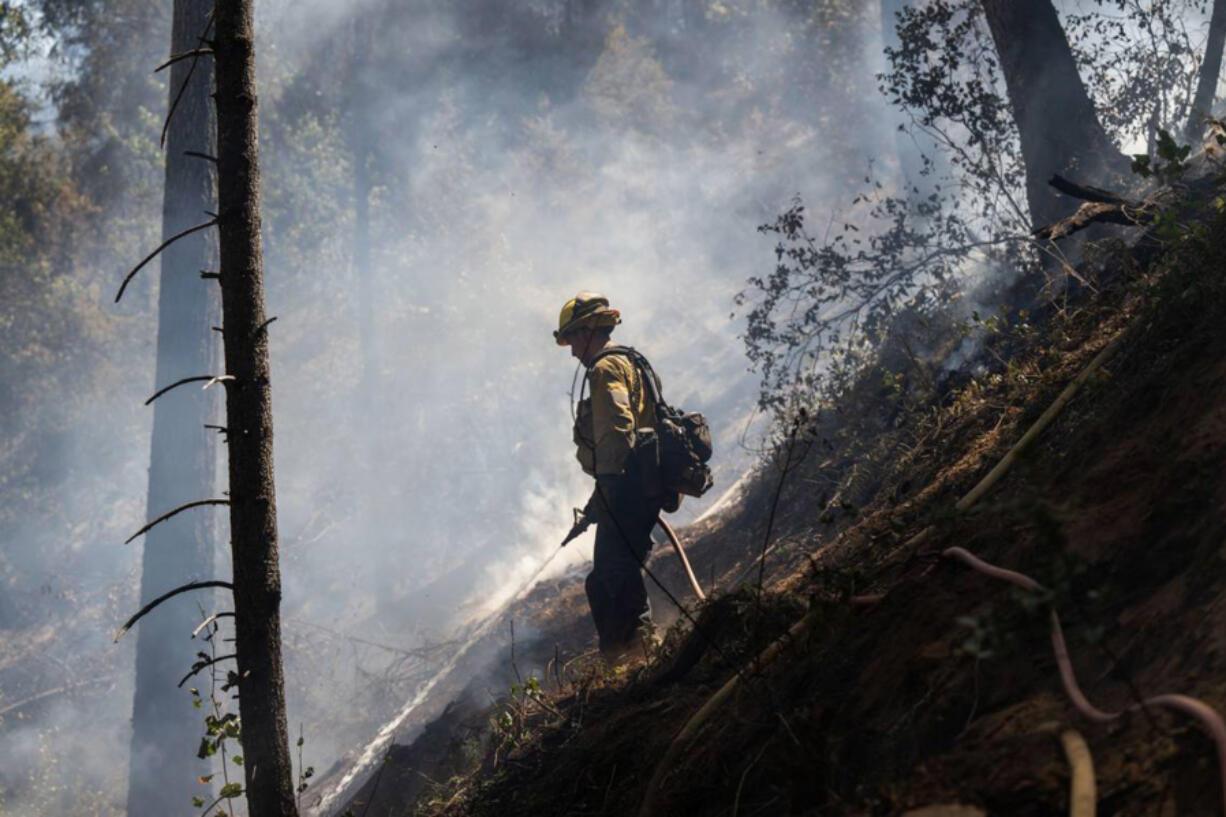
(587, 310)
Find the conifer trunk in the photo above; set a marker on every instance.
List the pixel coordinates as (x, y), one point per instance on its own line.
(183, 455)
(253, 522)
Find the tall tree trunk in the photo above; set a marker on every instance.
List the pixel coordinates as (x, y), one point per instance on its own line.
(362, 149)
(369, 502)
(1060, 131)
(1210, 71)
(183, 460)
(253, 510)
(372, 494)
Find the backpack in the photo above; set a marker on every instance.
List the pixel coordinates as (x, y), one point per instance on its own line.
(684, 438)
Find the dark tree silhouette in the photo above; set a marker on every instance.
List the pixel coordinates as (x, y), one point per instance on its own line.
(1059, 129)
(253, 511)
(1210, 71)
(165, 727)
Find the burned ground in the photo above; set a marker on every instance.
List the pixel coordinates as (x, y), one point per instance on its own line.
(944, 690)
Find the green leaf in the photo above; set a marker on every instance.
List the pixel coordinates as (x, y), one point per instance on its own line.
(230, 791)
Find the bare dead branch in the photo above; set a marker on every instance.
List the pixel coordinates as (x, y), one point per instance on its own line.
(183, 55)
(128, 278)
(221, 378)
(1093, 212)
(200, 378)
(1101, 207)
(204, 665)
(210, 620)
(174, 512)
(1085, 192)
(186, 80)
(217, 428)
(50, 693)
(183, 588)
(195, 154)
(263, 326)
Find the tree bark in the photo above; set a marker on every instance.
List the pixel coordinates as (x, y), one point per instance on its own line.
(1059, 129)
(373, 497)
(253, 515)
(1210, 71)
(183, 459)
(359, 93)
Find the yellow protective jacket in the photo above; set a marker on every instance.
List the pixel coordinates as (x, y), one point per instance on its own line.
(606, 423)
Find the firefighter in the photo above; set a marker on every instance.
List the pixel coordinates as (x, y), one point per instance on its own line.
(614, 437)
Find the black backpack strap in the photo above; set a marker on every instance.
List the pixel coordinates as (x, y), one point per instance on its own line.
(650, 378)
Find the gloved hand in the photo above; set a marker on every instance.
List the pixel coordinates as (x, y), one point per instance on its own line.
(582, 522)
(599, 506)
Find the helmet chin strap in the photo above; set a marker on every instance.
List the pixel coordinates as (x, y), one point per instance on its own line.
(594, 339)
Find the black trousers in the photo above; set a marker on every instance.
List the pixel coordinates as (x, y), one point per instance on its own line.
(615, 590)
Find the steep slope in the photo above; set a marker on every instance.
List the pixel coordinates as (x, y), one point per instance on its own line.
(916, 680)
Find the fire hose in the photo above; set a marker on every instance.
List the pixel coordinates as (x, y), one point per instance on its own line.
(1209, 719)
(583, 522)
(1207, 716)
(1083, 797)
(685, 562)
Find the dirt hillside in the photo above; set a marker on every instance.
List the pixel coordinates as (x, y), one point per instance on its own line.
(914, 680)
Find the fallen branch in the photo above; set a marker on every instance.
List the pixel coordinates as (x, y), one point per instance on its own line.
(173, 512)
(127, 625)
(1045, 419)
(1096, 213)
(184, 234)
(1101, 207)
